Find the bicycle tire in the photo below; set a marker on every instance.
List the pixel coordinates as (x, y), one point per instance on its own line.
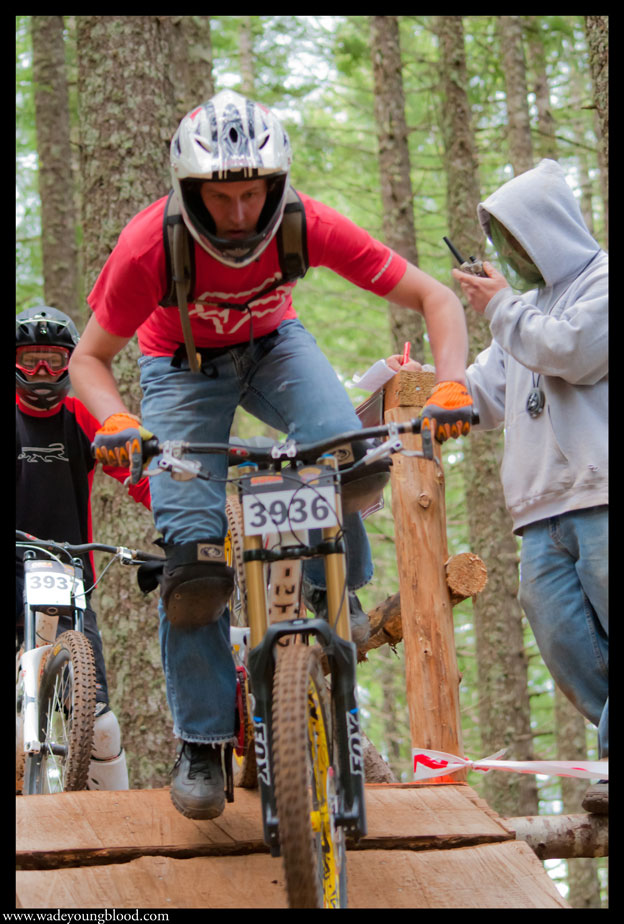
(66, 716)
(305, 773)
(20, 757)
(243, 764)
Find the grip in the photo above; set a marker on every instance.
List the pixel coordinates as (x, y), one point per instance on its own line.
(150, 448)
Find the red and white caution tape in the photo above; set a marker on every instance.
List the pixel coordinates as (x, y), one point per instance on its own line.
(430, 764)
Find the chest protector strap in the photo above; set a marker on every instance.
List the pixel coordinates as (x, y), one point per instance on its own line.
(180, 263)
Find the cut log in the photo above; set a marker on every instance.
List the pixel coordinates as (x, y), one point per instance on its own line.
(386, 626)
(466, 576)
(562, 837)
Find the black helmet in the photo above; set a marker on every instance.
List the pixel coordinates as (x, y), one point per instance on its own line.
(44, 326)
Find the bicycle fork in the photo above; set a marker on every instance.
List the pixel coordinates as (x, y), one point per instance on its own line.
(341, 656)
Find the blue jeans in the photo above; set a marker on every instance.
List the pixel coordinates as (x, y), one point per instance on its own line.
(285, 381)
(564, 577)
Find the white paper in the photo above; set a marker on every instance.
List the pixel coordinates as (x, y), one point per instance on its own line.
(378, 374)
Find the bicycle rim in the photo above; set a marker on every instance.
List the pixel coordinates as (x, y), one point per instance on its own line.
(66, 715)
(313, 849)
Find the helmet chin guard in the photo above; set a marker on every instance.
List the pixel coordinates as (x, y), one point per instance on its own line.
(227, 139)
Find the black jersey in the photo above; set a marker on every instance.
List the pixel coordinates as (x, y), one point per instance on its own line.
(54, 474)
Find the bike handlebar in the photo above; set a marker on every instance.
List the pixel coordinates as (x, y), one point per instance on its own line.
(239, 453)
(127, 556)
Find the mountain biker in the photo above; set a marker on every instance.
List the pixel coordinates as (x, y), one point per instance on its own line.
(54, 474)
(230, 165)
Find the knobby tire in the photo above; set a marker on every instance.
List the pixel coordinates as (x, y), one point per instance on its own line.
(312, 848)
(66, 716)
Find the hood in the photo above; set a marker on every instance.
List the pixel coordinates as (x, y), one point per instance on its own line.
(540, 210)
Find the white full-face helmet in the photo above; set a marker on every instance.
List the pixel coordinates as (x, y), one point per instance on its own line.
(230, 138)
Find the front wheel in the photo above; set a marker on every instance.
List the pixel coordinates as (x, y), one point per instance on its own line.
(305, 779)
(66, 715)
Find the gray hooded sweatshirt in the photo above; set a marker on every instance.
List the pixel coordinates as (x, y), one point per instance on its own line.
(558, 461)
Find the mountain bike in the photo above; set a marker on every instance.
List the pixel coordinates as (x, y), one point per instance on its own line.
(307, 748)
(55, 675)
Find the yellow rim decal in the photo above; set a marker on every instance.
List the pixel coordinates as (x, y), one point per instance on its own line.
(321, 818)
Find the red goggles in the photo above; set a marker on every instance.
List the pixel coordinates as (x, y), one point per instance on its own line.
(54, 359)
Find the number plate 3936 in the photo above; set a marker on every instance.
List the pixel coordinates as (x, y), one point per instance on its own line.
(303, 508)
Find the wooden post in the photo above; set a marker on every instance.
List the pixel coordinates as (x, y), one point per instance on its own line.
(418, 506)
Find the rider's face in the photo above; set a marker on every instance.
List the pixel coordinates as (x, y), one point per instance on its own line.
(235, 207)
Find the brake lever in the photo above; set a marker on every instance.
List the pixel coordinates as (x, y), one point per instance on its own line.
(171, 461)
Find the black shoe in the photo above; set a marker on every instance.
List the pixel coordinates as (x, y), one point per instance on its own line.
(315, 600)
(197, 787)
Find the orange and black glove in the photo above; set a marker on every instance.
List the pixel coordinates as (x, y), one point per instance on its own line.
(119, 441)
(448, 412)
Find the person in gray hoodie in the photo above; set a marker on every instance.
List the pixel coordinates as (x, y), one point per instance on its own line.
(544, 377)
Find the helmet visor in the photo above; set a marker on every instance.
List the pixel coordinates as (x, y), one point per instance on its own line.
(54, 359)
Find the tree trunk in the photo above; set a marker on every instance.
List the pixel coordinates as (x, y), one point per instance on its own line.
(126, 106)
(56, 182)
(190, 62)
(510, 33)
(504, 711)
(245, 43)
(394, 168)
(557, 837)
(597, 31)
(546, 144)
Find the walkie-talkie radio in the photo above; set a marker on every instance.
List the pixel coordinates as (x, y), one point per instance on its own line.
(471, 265)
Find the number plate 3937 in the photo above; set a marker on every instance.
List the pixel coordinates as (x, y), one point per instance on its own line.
(47, 584)
(303, 508)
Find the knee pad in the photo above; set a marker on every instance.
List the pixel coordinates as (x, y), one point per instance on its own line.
(196, 583)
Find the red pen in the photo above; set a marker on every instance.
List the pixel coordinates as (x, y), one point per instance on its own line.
(406, 352)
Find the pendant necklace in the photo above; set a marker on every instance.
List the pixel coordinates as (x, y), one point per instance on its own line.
(537, 398)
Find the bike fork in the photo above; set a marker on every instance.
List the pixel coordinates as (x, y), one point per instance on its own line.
(341, 655)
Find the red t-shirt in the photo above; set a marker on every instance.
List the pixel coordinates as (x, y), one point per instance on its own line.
(126, 295)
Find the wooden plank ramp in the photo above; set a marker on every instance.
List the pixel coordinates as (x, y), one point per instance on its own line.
(428, 846)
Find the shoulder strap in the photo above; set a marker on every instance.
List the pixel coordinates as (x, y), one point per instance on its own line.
(180, 260)
(292, 244)
(172, 217)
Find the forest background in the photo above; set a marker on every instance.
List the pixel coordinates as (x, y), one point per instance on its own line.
(404, 124)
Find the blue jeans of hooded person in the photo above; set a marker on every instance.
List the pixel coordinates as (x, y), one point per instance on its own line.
(285, 381)
(564, 577)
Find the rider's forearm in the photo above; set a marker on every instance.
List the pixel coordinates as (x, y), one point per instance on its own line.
(94, 384)
(90, 370)
(448, 337)
(444, 317)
